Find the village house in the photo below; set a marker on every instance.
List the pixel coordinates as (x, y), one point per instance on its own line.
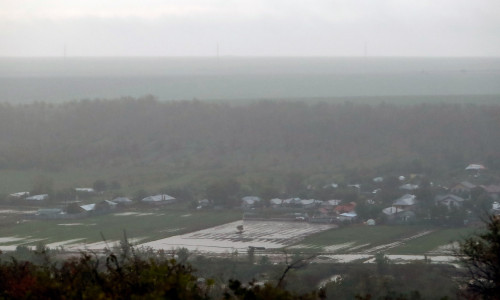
(449, 200)
(401, 210)
(19, 195)
(122, 201)
(101, 207)
(159, 199)
(463, 187)
(310, 203)
(409, 187)
(347, 217)
(332, 185)
(475, 167)
(204, 203)
(331, 203)
(345, 208)
(292, 202)
(41, 197)
(49, 212)
(84, 190)
(405, 202)
(250, 201)
(276, 202)
(88, 207)
(492, 190)
(328, 207)
(395, 215)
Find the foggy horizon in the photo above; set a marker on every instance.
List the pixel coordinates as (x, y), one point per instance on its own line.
(250, 149)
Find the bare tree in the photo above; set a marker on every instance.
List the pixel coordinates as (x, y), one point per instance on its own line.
(295, 264)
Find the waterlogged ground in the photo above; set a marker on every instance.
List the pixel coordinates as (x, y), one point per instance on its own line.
(218, 234)
(99, 232)
(227, 238)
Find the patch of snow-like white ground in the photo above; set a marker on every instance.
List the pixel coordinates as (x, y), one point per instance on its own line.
(77, 224)
(270, 235)
(62, 243)
(445, 249)
(98, 246)
(225, 238)
(124, 214)
(344, 258)
(369, 258)
(358, 247)
(27, 241)
(329, 248)
(398, 258)
(303, 246)
(10, 239)
(14, 247)
(333, 248)
(72, 245)
(11, 211)
(386, 247)
(136, 214)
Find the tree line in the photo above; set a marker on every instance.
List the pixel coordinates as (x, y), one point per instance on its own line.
(269, 135)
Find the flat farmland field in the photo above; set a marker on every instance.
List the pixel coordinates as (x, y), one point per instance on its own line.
(216, 232)
(360, 239)
(139, 226)
(226, 238)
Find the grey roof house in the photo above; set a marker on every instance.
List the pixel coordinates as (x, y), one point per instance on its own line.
(159, 199)
(449, 200)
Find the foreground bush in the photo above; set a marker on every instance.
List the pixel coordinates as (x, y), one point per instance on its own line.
(120, 277)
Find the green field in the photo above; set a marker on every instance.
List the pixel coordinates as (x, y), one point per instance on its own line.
(148, 225)
(430, 242)
(359, 238)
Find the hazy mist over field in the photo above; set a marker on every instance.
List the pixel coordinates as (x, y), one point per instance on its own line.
(320, 149)
(235, 78)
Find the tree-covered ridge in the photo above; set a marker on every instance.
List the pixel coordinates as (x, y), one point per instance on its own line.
(268, 135)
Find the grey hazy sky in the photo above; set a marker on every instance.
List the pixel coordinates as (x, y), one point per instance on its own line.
(250, 27)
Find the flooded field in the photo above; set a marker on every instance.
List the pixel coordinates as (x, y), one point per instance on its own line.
(227, 238)
(274, 238)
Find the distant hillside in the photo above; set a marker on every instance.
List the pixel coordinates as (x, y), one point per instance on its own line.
(279, 136)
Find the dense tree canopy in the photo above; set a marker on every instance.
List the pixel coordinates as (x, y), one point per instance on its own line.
(283, 136)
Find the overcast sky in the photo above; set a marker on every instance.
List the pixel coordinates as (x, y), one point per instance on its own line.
(250, 27)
